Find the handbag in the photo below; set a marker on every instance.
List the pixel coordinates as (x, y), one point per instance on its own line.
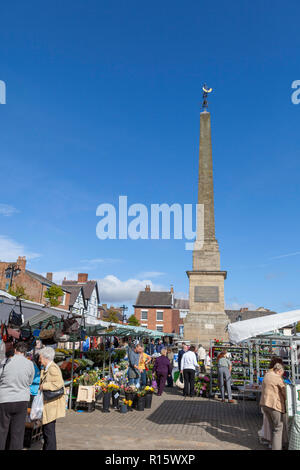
(60, 337)
(12, 333)
(47, 334)
(50, 395)
(70, 325)
(25, 333)
(15, 319)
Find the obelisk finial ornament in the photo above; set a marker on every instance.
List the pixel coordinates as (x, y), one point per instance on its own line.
(206, 91)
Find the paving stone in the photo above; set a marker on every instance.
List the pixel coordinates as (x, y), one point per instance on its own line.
(172, 423)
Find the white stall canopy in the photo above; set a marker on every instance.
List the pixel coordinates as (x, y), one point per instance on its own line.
(242, 330)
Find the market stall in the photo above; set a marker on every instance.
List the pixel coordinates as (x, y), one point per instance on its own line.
(260, 332)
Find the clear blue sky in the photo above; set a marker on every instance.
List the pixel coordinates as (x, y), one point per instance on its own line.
(103, 99)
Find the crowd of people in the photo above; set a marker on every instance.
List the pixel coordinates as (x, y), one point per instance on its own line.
(21, 378)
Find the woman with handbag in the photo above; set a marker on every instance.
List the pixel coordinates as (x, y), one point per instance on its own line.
(52, 386)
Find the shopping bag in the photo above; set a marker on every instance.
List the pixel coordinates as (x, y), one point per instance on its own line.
(2, 350)
(179, 382)
(37, 406)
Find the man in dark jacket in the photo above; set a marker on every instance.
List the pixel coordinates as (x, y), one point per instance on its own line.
(162, 368)
(151, 348)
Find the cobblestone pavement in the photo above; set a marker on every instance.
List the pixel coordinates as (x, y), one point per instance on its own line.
(173, 422)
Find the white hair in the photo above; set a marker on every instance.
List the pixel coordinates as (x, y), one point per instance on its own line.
(47, 353)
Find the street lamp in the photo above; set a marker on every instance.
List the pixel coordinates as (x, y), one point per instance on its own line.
(10, 271)
(123, 308)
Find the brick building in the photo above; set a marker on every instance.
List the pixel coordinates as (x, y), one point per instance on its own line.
(158, 310)
(34, 284)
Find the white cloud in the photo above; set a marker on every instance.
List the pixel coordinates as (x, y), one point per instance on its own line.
(58, 276)
(113, 290)
(150, 274)
(10, 250)
(7, 210)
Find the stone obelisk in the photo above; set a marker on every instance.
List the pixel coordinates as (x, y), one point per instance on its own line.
(207, 318)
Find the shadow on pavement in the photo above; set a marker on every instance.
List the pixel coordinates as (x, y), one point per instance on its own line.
(224, 421)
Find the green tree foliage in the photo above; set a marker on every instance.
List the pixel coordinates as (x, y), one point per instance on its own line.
(18, 291)
(298, 327)
(133, 321)
(111, 316)
(53, 293)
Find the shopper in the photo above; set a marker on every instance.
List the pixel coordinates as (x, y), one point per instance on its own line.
(51, 379)
(224, 374)
(188, 366)
(151, 349)
(144, 360)
(163, 369)
(16, 375)
(133, 368)
(170, 356)
(159, 346)
(184, 349)
(272, 401)
(34, 387)
(201, 358)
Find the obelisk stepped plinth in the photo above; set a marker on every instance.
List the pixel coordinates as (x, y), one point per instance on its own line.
(207, 319)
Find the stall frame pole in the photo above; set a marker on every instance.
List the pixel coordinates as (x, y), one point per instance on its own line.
(72, 375)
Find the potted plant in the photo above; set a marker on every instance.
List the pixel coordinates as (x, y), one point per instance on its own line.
(125, 405)
(106, 398)
(148, 397)
(115, 394)
(130, 392)
(140, 400)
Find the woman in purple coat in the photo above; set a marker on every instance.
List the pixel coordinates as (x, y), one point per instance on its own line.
(162, 368)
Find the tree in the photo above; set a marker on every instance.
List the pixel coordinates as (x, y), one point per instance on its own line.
(298, 327)
(111, 316)
(18, 291)
(53, 293)
(133, 321)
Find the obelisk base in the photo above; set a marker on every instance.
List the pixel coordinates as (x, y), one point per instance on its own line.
(200, 328)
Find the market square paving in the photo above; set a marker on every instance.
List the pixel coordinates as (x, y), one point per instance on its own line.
(173, 423)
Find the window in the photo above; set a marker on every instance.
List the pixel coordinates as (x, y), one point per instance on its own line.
(144, 314)
(159, 328)
(63, 299)
(144, 325)
(159, 315)
(181, 330)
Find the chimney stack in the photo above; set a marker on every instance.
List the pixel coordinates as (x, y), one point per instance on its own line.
(21, 262)
(82, 278)
(49, 276)
(147, 288)
(172, 289)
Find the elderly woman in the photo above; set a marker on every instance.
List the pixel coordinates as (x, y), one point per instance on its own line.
(54, 406)
(162, 368)
(272, 401)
